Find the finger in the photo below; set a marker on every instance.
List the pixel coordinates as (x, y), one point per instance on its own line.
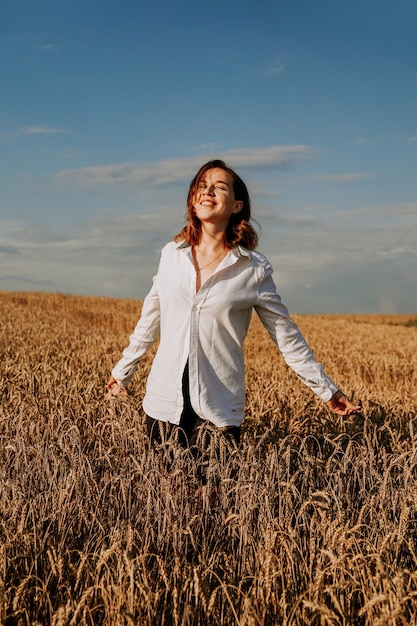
(353, 407)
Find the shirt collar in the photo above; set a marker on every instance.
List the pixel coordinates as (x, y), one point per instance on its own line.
(238, 251)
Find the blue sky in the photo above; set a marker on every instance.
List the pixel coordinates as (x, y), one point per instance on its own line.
(108, 109)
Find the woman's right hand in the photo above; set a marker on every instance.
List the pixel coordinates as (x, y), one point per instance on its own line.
(114, 389)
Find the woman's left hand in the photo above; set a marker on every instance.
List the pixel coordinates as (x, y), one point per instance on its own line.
(114, 389)
(339, 404)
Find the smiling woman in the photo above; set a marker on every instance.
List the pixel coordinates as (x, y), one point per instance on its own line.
(238, 229)
(218, 217)
(209, 280)
(214, 200)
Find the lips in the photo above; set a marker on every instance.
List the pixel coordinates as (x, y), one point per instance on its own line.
(207, 202)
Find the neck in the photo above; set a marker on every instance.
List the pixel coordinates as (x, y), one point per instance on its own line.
(212, 240)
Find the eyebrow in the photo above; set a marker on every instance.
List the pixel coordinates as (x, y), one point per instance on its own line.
(222, 182)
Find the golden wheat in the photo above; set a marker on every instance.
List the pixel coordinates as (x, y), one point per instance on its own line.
(312, 521)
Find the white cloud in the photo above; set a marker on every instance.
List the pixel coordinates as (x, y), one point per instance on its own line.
(110, 256)
(170, 171)
(24, 131)
(7, 136)
(43, 130)
(338, 269)
(393, 212)
(274, 70)
(364, 263)
(371, 140)
(47, 47)
(273, 221)
(276, 67)
(396, 137)
(341, 178)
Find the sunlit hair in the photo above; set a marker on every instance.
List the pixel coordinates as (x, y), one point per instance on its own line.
(239, 231)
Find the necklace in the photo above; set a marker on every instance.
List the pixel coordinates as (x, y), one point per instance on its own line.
(200, 269)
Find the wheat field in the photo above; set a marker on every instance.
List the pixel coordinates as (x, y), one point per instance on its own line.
(312, 521)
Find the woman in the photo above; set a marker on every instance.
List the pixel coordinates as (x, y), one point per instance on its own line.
(209, 280)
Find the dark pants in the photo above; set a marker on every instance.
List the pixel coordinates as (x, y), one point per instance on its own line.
(192, 431)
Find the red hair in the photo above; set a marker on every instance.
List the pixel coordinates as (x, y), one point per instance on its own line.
(239, 231)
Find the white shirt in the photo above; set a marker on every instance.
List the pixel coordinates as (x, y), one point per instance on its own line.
(208, 329)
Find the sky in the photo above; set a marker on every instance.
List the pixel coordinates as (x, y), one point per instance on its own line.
(108, 108)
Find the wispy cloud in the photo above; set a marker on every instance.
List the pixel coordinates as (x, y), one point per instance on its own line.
(46, 47)
(276, 67)
(71, 154)
(366, 263)
(274, 70)
(310, 264)
(364, 140)
(396, 137)
(95, 258)
(394, 212)
(170, 171)
(7, 136)
(31, 130)
(341, 178)
(271, 221)
(42, 130)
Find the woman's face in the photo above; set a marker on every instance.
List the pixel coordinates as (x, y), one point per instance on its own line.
(214, 199)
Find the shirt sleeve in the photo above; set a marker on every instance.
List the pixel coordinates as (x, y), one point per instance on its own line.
(143, 337)
(287, 336)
